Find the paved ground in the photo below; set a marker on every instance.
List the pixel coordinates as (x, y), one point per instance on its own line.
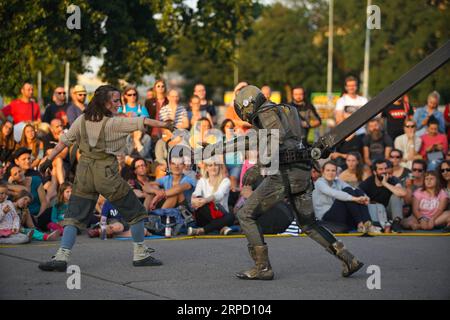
(411, 268)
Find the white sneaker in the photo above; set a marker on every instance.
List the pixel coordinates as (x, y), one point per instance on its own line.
(226, 231)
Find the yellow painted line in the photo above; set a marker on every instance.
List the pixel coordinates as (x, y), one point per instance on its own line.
(28, 245)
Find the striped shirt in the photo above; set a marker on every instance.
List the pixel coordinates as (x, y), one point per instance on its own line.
(116, 131)
(166, 114)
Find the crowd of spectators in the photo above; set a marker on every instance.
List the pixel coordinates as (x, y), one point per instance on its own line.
(390, 175)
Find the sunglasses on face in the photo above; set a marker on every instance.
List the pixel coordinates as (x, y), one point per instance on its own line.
(410, 127)
(395, 157)
(418, 170)
(131, 94)
(116, 100)
(81, 94)
(60, 93)
(445, 170)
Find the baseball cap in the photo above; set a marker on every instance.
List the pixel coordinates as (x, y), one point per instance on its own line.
(20, 151)
(79, 88)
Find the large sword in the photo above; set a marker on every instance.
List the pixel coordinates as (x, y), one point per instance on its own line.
(423, 69)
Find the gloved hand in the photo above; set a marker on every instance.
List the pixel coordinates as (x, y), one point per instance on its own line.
(170, 125)
(45, 166)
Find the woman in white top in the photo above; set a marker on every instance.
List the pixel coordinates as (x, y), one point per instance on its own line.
(210, 200)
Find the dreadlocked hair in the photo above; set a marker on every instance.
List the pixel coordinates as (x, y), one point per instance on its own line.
(96, 109)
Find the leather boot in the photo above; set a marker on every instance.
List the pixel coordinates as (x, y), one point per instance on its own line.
(349, 261)
(262, 269)
(58, 262)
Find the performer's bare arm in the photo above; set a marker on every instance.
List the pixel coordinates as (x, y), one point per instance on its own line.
(56, 150)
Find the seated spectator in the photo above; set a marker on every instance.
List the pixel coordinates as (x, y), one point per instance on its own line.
(10, 221)
(155, 104)
(196, 112)
(444, 169)
(174, 112)
(161, 151)
(354, 174)
(60, 207)
(337, 202)
(434, 144)
(7, 142)
(141, 178)
(233, 160)
(210, 200)
(50, 140)
(139, 144)
(131, 108)
(395, 116)
(415, 180)
(200, 91)
(77, 106)
(30, 141)
(116, 226)
(38, 206)
(377, 144)
(400, 172)
(172, 190)
(409, 144)
(385, 192)
(57, 109)
(21, 202)
(423, 115)
(201, 133)
(429, 206)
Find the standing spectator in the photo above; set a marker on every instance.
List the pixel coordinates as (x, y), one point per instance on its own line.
(60, 207)
(385, 192)
(210, 200)
(377, 144)
(200, 91)
(139, 144)
(422, 115)
(354, 174)
(395, 116)
(308, 114)
(196, 112)
(77, 106)
(429, 206)
(24, 108)
(30, 141)
(7, 142)
(336, 202)
(230, 113)
(409, 144)
(58, 108)
(266, 91)
(155, 104)
(400, 172)
(174, 112)
(131, 107)
(350, 101)
(150, 94)
(434, 144)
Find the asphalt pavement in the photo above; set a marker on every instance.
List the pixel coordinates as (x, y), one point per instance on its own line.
(203, 269)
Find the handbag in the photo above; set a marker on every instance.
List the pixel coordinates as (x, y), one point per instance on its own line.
(215, 211)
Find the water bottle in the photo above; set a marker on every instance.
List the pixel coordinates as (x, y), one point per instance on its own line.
(103, 228)
(168, 230)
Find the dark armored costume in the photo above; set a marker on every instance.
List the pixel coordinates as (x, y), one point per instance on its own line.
(293, 181)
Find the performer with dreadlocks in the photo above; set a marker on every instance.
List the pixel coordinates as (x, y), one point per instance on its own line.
(101, 137)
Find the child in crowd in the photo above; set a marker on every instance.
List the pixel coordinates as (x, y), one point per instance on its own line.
(21, 202)
(10, 221)
(60, 207)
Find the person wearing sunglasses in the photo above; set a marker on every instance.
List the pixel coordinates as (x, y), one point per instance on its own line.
(398, 171)
(409, 144)
(131, 106)
(57, 109)
(77, 106)
(413, 182)
(101, 135)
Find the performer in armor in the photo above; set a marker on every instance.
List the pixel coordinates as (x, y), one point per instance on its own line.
(292, 182)
(101, 137)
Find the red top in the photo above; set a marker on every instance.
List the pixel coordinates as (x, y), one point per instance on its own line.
(22, 111)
